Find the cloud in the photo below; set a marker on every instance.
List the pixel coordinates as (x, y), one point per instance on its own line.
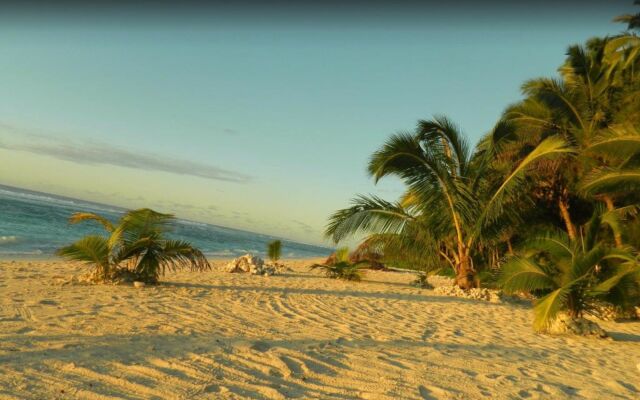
(105, 154)
(306, 228)
(230, 131)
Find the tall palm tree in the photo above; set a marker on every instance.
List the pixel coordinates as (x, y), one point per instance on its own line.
(592, 110)
(136, 244)
(632, 20)
(450, 201)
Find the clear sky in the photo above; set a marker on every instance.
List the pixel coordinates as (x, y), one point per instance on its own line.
(259, 118)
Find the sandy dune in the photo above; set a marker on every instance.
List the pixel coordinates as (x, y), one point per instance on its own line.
(219, 335)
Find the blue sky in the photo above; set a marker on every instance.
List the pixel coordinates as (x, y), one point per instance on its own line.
(264, 124)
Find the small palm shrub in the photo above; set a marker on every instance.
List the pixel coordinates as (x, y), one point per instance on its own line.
(572, 276)
(136, 247)
(340, 268)
(422, 281)
(274, 250)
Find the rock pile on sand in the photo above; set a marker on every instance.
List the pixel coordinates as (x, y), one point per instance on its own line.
(609, 312)
(255, 265)
(578, 326)
(485, 294)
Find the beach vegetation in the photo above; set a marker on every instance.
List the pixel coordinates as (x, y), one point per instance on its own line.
(545, 203)
(136, 247)
(573, 275)
(274, 250)
(451, 203)
(339, 266)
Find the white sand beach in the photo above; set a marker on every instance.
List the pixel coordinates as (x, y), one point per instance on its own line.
(216, 335)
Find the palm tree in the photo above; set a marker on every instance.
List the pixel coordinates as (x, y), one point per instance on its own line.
(341, 267)
(137, 244)
(573, 275)
(451, 199)
(274, 249)
(632, 20)
(594, 111)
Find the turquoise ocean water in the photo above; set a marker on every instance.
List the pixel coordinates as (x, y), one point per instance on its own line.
(34, 225)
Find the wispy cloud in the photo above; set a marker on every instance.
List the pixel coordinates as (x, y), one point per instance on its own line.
(101, 153)
(304, 227)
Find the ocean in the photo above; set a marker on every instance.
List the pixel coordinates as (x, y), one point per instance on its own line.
(34, 225)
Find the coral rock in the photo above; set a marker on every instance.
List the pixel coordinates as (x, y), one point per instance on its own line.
(485, 294)
(249, 263)
(245, 263)
(564, 324)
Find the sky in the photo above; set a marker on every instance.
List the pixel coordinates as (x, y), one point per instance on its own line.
(261, 116)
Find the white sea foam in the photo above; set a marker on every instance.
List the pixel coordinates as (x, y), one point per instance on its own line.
(22, 253)
(40, 198)
(8, 239)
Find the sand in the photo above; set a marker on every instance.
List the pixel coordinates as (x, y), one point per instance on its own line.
(229, 336)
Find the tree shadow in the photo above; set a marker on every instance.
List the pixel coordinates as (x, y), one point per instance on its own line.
(426, 298)
(624, 337)
(190, 359)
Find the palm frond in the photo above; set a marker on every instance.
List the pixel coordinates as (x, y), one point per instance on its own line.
(84, 216)
(610, 180)
(341, 270)
(622, 272)
(554, 245)
(586, 263)
(92, 250)
(549, 148)
(547, 308)
(140, 223)
(368, 214)
(520, 274)
(179, 254)
(441, 130)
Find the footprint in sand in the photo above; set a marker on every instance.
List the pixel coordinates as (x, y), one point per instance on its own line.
(429, 331)
(261, 346)
(433, 393)
(523, 394)
(294, 367)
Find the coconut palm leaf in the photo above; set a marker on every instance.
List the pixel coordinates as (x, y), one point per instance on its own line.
(93, 250)
(154, 257)
(555, 244)
(137, 224)
(341, 270)
(549, 148)
(548, 307)
(83, 216)
(367, 214)
(520, 274)
(605, 180)
(623, 271)
(585, 263)
(441, 130)
(632, 20)
(179, 254)
(620, 142)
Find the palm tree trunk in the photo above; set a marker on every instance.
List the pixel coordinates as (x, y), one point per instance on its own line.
(616, 235)
(563, 204)
(510, 247)
(465, 273)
